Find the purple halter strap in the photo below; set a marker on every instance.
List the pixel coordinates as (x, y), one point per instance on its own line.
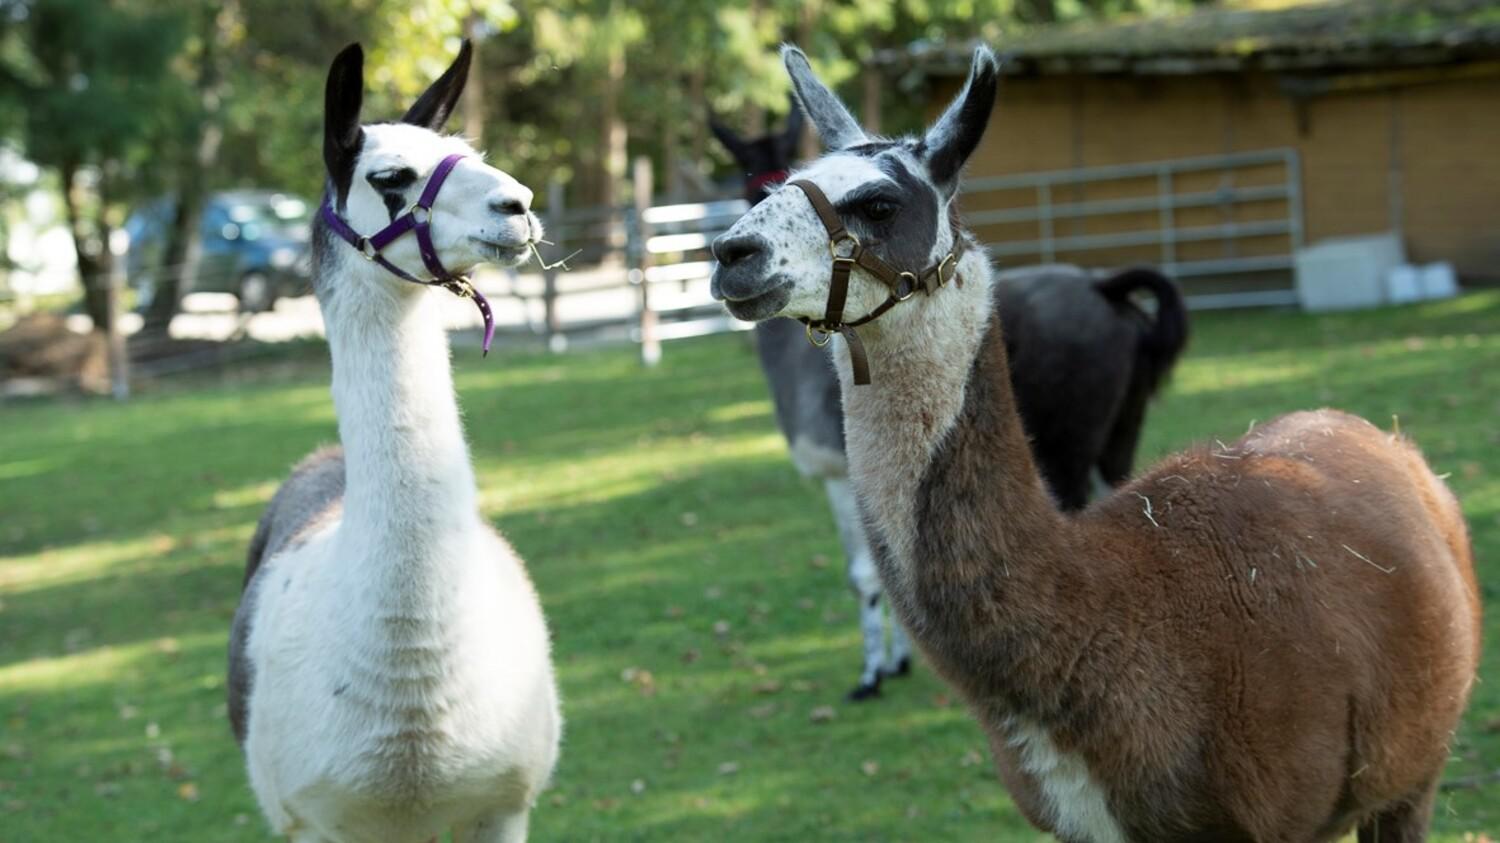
(418, 218)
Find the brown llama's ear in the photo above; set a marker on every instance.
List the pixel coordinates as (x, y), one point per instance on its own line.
(342, 135)
(951, 140)
(792, 135)
(728, 137)
(431, 110)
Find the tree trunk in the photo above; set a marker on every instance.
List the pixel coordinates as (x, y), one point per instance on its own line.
(615, 133)
(806, 22)
(874, 82)
(91, 249)
(755, 114)
(473, 97)
(184, 246)
(1036, 11)
(698, 102)
(615, 137)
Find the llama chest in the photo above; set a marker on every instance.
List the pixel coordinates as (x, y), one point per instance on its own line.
(1067, 795)
(365, 703)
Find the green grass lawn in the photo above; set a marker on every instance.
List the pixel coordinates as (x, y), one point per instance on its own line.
(693, 583)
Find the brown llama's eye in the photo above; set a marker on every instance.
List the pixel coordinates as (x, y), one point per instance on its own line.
(879, 210)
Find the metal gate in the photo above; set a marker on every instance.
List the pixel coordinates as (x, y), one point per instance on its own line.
(1225, 226)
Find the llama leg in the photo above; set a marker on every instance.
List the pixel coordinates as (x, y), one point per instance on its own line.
(865, 582)
(1118, 453)
(1404, 823)
(494, 828)
(899, 662)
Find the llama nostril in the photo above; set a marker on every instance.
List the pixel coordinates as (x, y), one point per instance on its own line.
(507, 207)
(732, 250)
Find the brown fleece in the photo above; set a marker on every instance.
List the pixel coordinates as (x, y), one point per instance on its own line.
(1271, 640)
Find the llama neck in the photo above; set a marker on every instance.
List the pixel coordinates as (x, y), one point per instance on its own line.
(409, 483)
(974, 551)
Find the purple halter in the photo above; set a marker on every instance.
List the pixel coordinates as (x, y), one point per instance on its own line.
(418, 218)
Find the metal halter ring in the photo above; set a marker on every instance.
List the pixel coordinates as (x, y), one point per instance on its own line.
(910, 280)
(812, 336)
(842, 239)
(420, 214)
(367, 248)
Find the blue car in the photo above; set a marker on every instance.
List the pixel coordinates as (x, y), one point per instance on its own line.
(254, 245)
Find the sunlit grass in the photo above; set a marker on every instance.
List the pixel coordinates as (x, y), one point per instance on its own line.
(692, 581)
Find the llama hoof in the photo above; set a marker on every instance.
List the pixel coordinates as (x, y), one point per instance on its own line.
(902, 668)
(865, 692)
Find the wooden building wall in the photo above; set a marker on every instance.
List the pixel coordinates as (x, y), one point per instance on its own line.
(1421, 156)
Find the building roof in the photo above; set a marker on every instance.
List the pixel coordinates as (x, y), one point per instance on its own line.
(1236, 36)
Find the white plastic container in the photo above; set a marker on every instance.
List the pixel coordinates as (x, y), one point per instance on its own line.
(1439, 281)
(1403, 284)
(1347, 273)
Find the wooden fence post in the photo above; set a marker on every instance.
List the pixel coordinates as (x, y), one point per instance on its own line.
(557, 341)
(115, 352)
(650, 342)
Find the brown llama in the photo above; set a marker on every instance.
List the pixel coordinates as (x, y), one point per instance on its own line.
(1270, 640)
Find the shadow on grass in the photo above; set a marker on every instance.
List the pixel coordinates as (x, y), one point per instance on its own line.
(693, 584)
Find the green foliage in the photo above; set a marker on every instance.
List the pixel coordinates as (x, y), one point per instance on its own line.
(692, 582)
(103, 80)
(95, 78)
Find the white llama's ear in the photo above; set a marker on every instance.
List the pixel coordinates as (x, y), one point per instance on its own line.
(431, 110)
(951, 140)
(342, 135)
(835, 125)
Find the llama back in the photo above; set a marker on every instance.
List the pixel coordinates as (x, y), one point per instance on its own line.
(309, 499)
(311, 496)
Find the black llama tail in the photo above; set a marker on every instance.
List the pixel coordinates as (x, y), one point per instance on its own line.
(1164, 340)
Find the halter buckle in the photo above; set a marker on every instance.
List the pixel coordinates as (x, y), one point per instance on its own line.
(945, 264)
(814, 333)
(910, 279)
(843, 239)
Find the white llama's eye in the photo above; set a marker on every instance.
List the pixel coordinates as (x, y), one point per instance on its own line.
(395, 178)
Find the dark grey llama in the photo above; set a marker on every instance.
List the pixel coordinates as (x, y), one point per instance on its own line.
(1085, 361)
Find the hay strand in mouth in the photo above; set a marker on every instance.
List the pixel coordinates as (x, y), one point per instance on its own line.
(531, 244)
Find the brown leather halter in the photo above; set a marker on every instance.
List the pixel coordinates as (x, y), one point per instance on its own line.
(848, 253)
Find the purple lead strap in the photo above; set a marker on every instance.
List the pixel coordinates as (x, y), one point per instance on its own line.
(421, 223)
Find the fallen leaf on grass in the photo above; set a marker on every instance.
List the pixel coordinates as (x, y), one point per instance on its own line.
(822, 714)
(188, 792)
(641, 679)
(729, 768)
(870, 768)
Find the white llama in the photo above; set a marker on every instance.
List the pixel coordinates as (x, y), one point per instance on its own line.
(389, 667)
